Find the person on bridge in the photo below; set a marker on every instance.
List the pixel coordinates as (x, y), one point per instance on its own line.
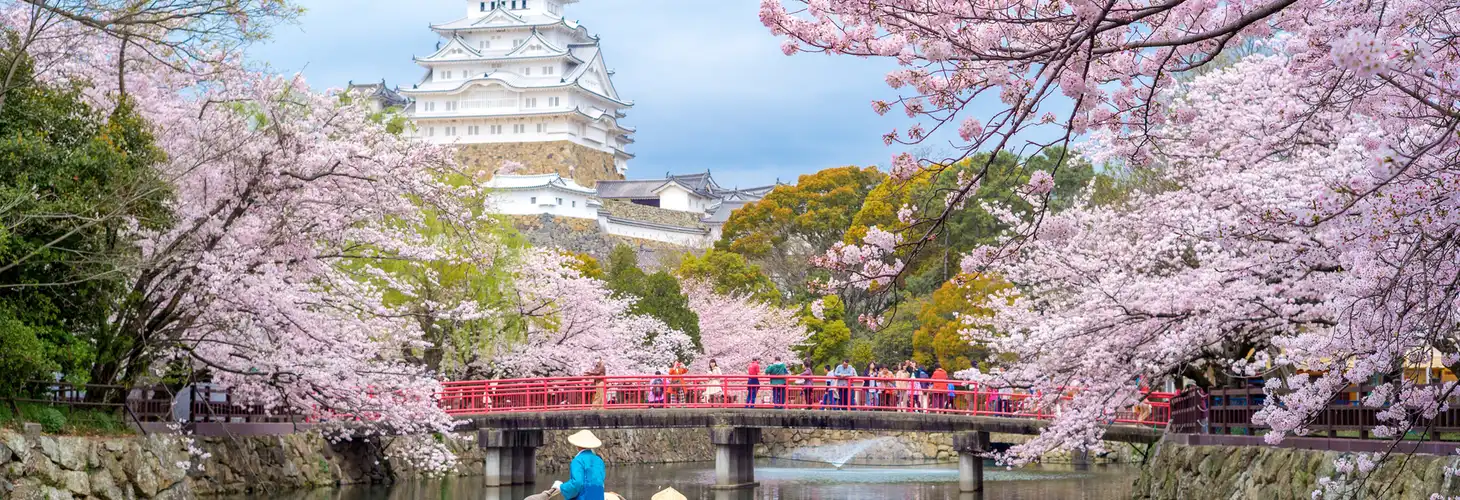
(844, 373)
(920, 389)
(806, 373)
(752, 385)
(941, 390)
(829, 398)
(778, 372)
(903, 393)
(715, 392)
(656, 390)
(869, 386)
(600, 385)
(676, 382)
(586, 472)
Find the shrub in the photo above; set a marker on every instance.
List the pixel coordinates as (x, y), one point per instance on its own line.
(22, 355)
(51, 420)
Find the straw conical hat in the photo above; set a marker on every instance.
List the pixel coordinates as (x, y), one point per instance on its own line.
(668, 494)
(584, 439)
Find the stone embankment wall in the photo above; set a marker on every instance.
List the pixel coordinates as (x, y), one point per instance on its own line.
(584, 236)
(171, 466)
(634, 211)
(1178, 471)
(584, 165)
(163, 467)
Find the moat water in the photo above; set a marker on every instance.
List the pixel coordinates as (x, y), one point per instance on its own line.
(788, 480)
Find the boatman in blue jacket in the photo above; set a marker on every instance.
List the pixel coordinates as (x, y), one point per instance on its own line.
(586, 472)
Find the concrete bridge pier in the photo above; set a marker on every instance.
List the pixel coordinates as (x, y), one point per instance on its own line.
(734, 456)
(969, 446)
(510, 456)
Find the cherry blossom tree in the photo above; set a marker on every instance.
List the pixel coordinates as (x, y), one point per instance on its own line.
(577, 320)
(1303, 222)
(736, 327)
(283, 200)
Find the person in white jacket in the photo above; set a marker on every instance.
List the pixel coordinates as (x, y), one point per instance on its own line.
(715, 393)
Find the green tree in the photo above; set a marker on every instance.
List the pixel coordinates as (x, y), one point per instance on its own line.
(862, 352)
(623, 275)
(658, 295)
(830, 336)
(894, 343)
(74, 183)
(729, 273)
(793, 222)
(664, 299)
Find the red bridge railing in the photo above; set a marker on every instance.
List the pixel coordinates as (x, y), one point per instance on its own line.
(737, 391)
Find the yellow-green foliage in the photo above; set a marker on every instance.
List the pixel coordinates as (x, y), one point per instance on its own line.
(954, 307)
(729, 273)
(816, 210)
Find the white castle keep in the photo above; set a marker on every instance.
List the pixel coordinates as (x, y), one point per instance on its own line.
(516, 71)
(516, 81)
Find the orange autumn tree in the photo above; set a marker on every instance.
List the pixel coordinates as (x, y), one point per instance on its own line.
(958, 305)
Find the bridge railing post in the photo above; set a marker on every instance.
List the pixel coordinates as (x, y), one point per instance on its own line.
(970, 447)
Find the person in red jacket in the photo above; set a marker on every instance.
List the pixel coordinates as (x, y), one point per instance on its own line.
(940, 391)
(753, 384)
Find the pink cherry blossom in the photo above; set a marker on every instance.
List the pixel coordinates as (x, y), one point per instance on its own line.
(1301, 199)
(735, 328)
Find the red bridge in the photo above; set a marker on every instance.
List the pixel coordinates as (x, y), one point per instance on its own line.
(511, 415)
(640, 392)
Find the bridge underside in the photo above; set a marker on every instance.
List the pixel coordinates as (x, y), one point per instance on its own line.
(510, 439)
(770, 419)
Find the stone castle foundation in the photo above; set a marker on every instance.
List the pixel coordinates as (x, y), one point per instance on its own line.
(584, 165)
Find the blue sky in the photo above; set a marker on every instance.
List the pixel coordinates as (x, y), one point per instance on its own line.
(711, 88)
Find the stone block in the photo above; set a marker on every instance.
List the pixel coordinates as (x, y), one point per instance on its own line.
(104, 486)
(76, 482)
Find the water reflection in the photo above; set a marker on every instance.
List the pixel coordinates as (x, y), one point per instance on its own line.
(784, 480)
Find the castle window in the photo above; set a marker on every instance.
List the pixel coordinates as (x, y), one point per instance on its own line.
(552, 102)
(484, 7)
(547, 70)
(519, 129)
(575, 203)
(530, 102)
(541, 128)
(534, 200)
(496, 129)
(527, 71)
(560, 201)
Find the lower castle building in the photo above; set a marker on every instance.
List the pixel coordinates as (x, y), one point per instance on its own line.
(684, 210)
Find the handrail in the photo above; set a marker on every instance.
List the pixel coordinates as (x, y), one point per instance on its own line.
(920, 395)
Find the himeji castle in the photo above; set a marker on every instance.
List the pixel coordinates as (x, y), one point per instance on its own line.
(516, 81)
(515, 72)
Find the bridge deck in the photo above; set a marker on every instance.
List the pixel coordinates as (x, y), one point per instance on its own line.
(772, 418)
